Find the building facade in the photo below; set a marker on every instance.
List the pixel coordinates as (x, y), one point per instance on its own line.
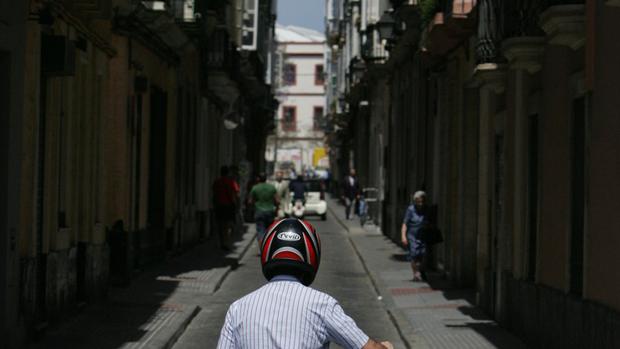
(501, 112)
(12, 52)
(298, 140)
(118, 121)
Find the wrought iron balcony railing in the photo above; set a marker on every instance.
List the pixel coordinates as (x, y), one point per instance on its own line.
(506, 19)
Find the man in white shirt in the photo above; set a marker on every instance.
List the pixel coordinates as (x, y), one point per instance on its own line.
(283, 192)
(286, 313)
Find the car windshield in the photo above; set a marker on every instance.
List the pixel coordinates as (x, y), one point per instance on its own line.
(314, 186)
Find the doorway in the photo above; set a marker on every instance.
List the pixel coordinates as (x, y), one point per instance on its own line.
(156, 213)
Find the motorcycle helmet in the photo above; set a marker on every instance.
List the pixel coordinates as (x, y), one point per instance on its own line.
(291, 247)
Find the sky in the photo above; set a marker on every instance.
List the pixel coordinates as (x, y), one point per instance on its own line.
(303, 13)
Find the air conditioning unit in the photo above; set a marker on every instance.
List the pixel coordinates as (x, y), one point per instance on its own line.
(57, 55)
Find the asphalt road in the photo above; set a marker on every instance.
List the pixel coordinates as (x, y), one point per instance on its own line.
(341, 275)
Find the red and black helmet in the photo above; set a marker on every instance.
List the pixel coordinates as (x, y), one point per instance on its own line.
(291, 247)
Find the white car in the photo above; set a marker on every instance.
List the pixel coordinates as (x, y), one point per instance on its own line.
(315, 199)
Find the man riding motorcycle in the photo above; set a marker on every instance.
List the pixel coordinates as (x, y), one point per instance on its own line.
(286, 312)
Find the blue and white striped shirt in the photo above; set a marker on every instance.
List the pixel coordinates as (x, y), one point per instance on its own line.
(284, 314)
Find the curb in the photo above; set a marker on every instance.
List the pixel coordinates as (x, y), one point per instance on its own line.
(163, 339)
(399, 320)
(238, 256)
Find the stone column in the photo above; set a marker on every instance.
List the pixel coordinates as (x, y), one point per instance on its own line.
(565, 25)
(524, 56)
(490, 79)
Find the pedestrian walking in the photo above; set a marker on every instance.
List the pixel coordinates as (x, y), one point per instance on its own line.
(350, 192)
(225, 201)
(286, 313)
(419, 219)
(282, 189)
(265, 199)
(297, 188)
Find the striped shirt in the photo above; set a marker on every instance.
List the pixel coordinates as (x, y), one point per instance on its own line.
(284, 314)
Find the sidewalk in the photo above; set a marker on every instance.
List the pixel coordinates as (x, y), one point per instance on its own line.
(427, 317)
(157, 306)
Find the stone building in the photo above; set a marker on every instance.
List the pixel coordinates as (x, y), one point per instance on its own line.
(503, 113)
(298, 140)
(115, 131)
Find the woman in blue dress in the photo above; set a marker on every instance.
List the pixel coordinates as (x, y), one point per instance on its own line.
(416, 217)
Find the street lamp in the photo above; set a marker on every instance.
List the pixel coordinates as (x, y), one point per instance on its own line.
(386, 25)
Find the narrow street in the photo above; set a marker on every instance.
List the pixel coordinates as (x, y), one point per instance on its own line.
(341, 275)
(134, 134)
(182, 303)
(368, 274)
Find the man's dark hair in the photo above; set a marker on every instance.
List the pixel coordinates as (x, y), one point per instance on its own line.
(262, 177)
(224, 171)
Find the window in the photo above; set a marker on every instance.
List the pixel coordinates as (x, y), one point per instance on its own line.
(319, 76)
(289, 75)
(289, 118)
(318, 118)
(250, 24)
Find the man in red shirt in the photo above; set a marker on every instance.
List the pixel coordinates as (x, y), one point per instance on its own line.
(225, 200)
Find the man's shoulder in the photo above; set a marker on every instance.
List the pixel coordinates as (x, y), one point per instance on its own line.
(309, 294)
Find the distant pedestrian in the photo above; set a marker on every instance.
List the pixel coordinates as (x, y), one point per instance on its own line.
(225, 201)
(286, 313)
(418, 217)
(264, 196)
(297, 187)
(350, 192)
(282, 188)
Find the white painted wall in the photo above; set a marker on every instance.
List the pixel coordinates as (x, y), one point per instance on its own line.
(305, 50)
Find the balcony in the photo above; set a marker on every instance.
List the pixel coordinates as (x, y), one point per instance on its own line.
(565, 25)
(222, 66)
(460, 9)
(88, 9)
(451, 25)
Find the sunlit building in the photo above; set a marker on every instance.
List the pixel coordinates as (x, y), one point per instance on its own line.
(298, 140)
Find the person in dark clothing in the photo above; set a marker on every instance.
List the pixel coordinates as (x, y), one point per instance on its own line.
(418, 216)
(225, 200)
(350, 192)
(298, 189)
